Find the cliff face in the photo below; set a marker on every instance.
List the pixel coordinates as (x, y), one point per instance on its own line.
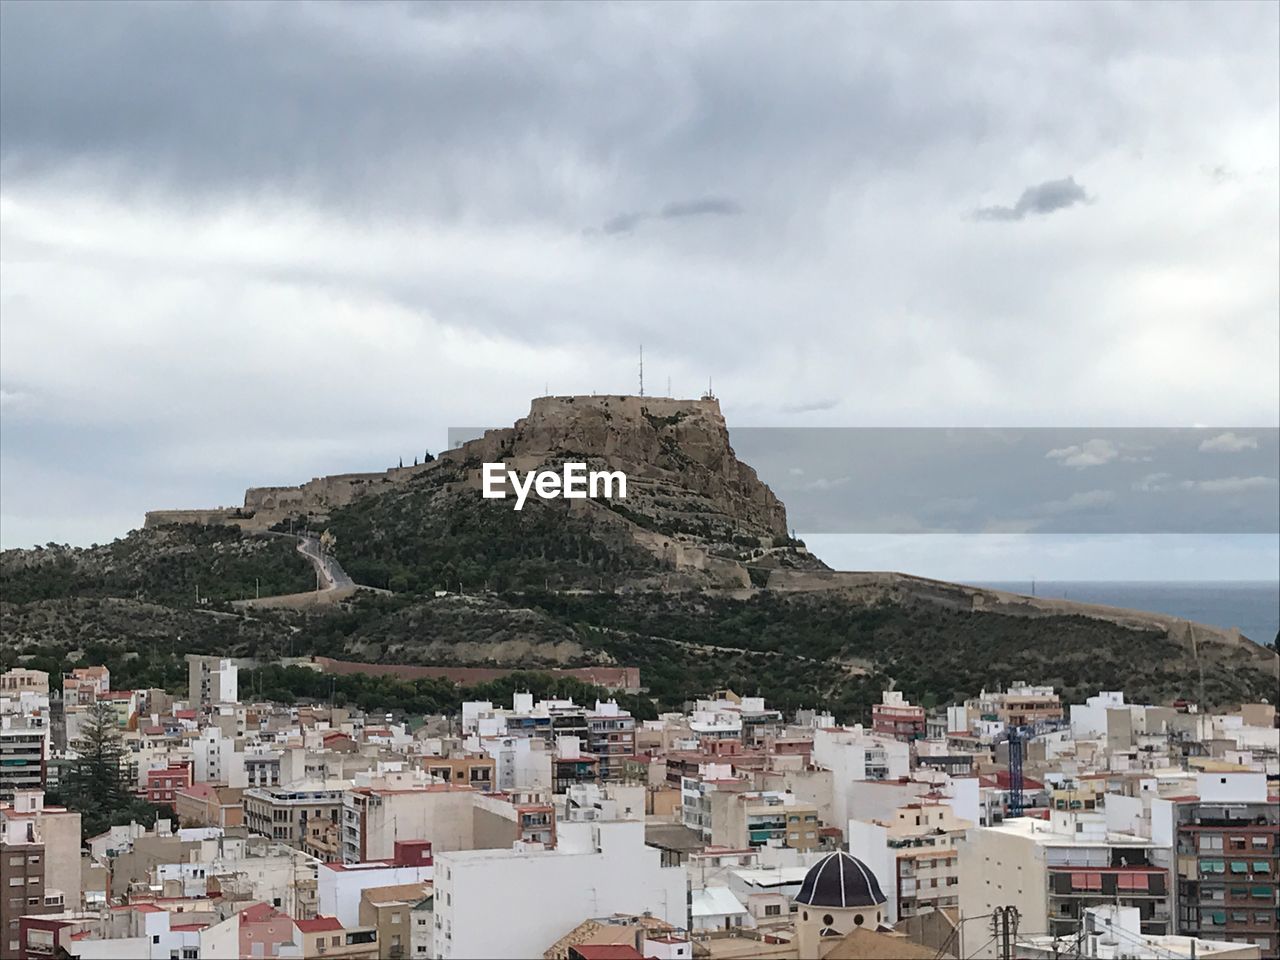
(681, 469)
(682, 472)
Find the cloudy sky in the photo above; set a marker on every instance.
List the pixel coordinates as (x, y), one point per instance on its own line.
(249, 244)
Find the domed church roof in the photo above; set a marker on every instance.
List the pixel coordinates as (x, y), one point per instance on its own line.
(839, 880)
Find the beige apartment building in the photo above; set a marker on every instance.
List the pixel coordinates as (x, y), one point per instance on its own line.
(325, 937)
(763, 818)
(39, 863)
(296, 814)
(1054, 871)
(20, 680)
(391, 911)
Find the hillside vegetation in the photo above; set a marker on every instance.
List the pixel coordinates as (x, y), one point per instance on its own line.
(169, 565)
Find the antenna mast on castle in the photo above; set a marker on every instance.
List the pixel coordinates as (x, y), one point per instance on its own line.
(642, 369)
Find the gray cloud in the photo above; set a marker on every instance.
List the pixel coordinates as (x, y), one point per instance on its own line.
(392, 197)
(1091, 453)
(713, 206)
(709, 207)
(1043, 198)
(811, 406)
(1229, 443)
(1229, 485)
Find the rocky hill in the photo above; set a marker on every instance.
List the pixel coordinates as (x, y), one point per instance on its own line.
(694, 578)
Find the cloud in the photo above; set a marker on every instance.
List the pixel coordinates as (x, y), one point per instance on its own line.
(1091, 453)
(1077, 502)
(1154, 483)
(811, 406)
(623, 222)
(711, 206)
(822, 484)
(1227, 485)
(1164, 482)
(1229, 443)
(1043, 198)
(707, 207)
(14, 399)
(383, 196)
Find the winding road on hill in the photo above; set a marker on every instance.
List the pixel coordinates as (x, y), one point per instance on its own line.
(326, 566)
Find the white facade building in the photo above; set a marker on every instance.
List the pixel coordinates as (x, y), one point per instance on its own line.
(484, 905)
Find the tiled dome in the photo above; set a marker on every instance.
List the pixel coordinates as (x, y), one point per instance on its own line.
(839, 880)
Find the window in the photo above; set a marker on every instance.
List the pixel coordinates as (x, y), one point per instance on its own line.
(773, 909)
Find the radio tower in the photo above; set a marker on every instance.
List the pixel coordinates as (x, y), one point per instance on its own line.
(642, 369)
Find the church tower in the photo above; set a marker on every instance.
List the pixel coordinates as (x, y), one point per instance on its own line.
(839, 894)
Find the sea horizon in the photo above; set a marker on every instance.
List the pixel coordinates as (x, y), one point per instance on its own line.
(1252, 606)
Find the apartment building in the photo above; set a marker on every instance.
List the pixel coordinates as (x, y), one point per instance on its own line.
(597, 869)
(326, 937)
(375, 819)
(475, 770)
(916, 852)
(20, 680)
(83, 685)
(611, 738)
(293, 815)
(763, 818)
(571, 765)
(1052, 871)
(211, 680)
(24, 750)
(1228, 861)
(854, 755)
(39, 863)
(162, 785)
(391, 911)
(339, 885)
(206, 805)
(894, 717)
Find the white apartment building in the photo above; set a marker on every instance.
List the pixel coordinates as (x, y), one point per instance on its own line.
(483, 905)
(219, 759)
(914, 855)
(854, 754)
(211, 680)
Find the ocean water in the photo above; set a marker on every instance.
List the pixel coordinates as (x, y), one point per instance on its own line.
(1251, 605)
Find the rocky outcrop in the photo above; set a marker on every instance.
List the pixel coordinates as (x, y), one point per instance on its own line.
(682, 471)
(676, 454)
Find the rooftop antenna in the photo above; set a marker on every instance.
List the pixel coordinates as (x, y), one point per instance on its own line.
(668, 386)
(642, 369)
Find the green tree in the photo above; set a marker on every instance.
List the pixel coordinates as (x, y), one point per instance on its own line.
(97, 783)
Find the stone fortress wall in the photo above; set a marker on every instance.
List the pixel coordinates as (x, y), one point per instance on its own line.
(587, 423)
